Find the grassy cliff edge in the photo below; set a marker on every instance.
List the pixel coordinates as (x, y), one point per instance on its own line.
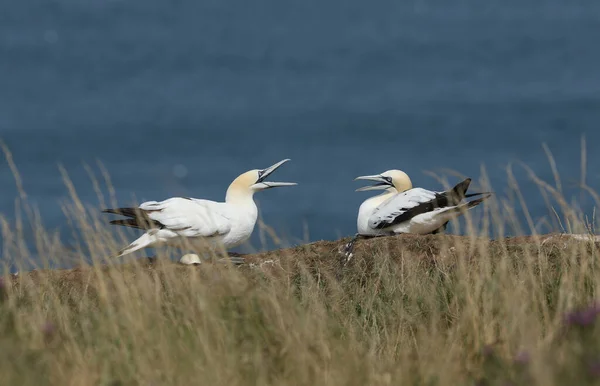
(433, 310)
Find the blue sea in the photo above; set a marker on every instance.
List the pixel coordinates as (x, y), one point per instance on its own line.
(179, 97)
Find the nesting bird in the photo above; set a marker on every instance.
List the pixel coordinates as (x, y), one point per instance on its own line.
(189, 222)
(404, 209)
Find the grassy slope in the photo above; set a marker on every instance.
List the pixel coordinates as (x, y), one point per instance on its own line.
(423, 310)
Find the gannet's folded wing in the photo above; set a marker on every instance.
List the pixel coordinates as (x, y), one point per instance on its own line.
(404, 206)
(189, 217)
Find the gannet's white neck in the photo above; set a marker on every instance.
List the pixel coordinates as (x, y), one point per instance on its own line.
(368, 206)
(378, 199)
(237, 195)
(240, 191)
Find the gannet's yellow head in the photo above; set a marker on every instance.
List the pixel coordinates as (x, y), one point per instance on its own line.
(396, 179)
(254, 180)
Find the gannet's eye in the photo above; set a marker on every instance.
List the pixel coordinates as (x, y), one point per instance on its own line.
(388, 179)
(260, 174)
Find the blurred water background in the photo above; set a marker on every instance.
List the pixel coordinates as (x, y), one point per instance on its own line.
(179, 97)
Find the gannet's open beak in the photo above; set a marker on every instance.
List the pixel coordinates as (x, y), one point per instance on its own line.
(382, 182)
(261, 184)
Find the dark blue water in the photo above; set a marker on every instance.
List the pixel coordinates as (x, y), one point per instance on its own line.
(179, 97)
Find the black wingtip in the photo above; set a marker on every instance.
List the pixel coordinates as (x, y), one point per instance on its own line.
(458, 193)
(478, 201)
(479, 194)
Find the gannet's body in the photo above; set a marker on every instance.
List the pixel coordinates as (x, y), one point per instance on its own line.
(367, 208)
(404, 209)
(197, 224)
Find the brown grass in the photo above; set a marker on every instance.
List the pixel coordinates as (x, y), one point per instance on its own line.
(407, 309)
(410, 310)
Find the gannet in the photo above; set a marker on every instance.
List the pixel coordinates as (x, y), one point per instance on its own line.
(189, 222)
(404, 209)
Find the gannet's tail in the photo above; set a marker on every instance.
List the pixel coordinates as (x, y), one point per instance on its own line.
(451, 211)
(459, 192)
(137, 218)
(146, 240)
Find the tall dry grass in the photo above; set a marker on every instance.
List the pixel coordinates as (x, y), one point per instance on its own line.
(433, 310)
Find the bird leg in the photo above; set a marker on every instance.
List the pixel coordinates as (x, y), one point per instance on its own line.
(347, 250)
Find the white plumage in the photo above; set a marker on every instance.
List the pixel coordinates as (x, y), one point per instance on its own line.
(399, 205)
(404, 209)
(190, 217)
(189, 222)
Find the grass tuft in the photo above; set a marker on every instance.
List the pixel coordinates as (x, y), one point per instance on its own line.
(411, 310)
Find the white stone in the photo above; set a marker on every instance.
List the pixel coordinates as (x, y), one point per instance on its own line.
(190, 259)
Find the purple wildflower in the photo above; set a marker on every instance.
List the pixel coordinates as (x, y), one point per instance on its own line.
(48, 330)
(583, 317)
(522, 358)
(594, 369)
(487, 350)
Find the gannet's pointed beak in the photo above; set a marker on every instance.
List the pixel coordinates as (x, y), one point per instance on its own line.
(382, 182)
(261, 184)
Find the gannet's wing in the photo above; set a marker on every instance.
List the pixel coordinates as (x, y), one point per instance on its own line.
(185, 216)
(406, 205)
(190, 217)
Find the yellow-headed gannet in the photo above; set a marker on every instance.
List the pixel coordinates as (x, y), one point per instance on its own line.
(181, 222)
(404, 209)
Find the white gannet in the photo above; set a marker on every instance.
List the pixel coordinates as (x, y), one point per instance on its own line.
(181, 222)
(404, 209)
